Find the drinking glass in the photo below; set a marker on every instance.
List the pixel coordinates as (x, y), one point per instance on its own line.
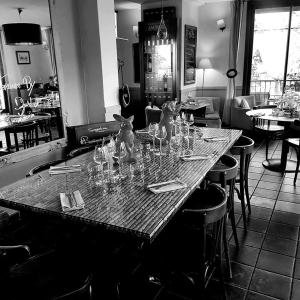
(153, 127)
(189, 121)
(161, 134)
(100, 158)
(122, 154)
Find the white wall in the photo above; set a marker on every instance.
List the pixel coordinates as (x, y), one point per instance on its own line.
(126, 19)
(39, 68)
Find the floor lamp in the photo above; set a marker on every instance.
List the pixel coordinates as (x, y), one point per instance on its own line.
(204, 63)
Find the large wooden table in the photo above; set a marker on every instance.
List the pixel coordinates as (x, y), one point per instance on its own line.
(128, 208)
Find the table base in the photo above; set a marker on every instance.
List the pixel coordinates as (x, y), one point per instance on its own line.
(275, 165)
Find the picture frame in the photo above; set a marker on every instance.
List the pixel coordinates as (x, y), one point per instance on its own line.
(190, 47)
(23, 57)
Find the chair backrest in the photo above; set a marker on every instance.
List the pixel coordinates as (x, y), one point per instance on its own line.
(243, 145)
(79, 151)
(43, 167)
(225, 169)
(152, 114)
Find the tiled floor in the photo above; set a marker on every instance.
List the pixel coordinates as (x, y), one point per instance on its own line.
(267, 263)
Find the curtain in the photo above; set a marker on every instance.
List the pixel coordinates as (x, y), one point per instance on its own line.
(50, 43)
(237, 8)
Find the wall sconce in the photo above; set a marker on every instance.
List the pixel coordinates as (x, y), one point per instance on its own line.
(221, 24)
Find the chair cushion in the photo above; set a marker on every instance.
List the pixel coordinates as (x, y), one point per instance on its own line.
(210, 107)
(213, 116)
(295, 141)
(244, 104)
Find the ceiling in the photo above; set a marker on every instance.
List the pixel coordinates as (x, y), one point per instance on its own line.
(35, 11)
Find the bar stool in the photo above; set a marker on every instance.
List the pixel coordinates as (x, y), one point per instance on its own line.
(243, 147)
(224, 172)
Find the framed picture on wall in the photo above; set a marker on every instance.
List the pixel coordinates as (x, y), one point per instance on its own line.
(23, 57)
(190, 47)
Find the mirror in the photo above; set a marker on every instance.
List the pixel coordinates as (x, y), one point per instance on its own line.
(30, 107)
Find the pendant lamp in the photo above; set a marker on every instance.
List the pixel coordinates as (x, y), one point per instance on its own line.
(18, 34)
(162, 32)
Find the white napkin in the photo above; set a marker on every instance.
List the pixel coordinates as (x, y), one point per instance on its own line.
(55, 170)
(216, 139)
(195, 157)
(166, 186)
(71, 201)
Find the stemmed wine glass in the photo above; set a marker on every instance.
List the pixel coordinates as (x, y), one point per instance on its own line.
(100, 157)
(153, 127)
(189, 121)
(161, 134)
(122, 153)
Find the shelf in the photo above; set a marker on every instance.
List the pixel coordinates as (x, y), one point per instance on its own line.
(147, 92)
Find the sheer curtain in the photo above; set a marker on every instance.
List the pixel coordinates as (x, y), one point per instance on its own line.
(50, 43)
(237, 8)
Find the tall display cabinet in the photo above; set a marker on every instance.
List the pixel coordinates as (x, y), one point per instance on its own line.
(158, 57)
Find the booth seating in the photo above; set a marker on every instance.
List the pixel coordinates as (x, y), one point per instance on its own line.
(90, 134)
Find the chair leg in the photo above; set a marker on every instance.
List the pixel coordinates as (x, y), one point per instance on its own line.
(221, 256)
(226, 250)
(247, 163)
(267, 147)
(231, 213)
(297, 167)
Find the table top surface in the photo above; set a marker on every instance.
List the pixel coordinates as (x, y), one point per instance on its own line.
(19, 120)
(266, 114)
(190, 105)
(127, 208)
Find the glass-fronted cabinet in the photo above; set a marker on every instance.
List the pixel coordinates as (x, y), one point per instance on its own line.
(158, 62)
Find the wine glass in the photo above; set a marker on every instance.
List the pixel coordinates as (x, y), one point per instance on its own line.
(100, 158)
(122, 153)
(189, 121)
(153, 127)
(161, 134)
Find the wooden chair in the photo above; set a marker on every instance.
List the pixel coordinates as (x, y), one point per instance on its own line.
(43, 167)
(45, 127)
(295, 144)
(268, 130)
(243, 147)
(28, 132)
(50, 275)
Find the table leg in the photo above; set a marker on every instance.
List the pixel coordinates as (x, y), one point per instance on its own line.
(7, 137)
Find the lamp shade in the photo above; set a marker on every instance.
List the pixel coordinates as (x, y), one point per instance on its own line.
(22, 34)
(204, 63)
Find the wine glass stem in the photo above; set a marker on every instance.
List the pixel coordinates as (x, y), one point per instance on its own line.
(153, 142)
(188, 131)
(160, 146)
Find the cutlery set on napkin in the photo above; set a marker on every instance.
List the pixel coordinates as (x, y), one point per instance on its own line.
(56, 170)
(195, 157)
(71, 201)
(166, 186)
(215, 139)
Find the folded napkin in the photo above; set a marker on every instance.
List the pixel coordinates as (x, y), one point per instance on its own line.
(71, 201)
(55, 170)
(166, 186)
(216, 139)
(195, 157)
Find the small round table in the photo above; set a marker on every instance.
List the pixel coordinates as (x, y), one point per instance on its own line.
(273, 164)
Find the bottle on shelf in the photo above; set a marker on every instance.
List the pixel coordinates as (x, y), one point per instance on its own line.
(165, 80)
(149, 63)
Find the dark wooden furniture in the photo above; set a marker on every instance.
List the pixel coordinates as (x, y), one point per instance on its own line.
(129, 209)
(243, 147)
(294, 143)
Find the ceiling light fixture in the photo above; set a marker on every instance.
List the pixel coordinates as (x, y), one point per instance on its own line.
(162, 32)
(19, 34)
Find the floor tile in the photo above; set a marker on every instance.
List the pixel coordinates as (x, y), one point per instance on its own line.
(265, 193)
(290, 181)
(283, 230)
(254, 175)
(288, 207)
(286, 218)
(297, 269)
(271, 178)
(263, 202)
(290, 189)
(258, 158)
(295, 290)
(271, 284)
(259, 170)
(260, 212)
(244, 254)
(289, 197)
(268, 172)
(280, 245)
(248, 238)
(256, 296)
(215, 292)
(289, 175)
(256, 164)
(253, 224)
(275, 262)
(241, 275)
(275, 186)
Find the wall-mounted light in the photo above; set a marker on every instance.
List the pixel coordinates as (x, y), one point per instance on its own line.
(221, 24)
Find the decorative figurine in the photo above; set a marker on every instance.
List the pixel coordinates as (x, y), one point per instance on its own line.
(169, 110)
(125, 135)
